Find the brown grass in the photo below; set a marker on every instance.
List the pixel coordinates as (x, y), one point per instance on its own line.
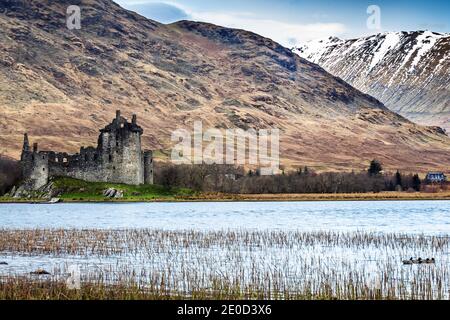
(394, 195)
(159, 264)
(381, 196)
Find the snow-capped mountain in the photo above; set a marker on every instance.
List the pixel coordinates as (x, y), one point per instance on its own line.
(407, 71)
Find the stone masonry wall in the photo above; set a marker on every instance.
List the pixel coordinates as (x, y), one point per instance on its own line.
(148, 167)
(118, 158)
(36, 169)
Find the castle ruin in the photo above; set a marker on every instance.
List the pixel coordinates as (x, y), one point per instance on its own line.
(118, 158)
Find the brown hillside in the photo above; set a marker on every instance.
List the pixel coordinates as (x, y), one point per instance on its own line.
(61, 86)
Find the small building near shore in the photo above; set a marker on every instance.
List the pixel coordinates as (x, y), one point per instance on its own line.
(435, 177)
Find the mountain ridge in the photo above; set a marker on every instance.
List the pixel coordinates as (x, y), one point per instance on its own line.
(407, 71)
(62, 85)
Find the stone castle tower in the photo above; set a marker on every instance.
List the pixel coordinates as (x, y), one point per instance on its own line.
(118, 158)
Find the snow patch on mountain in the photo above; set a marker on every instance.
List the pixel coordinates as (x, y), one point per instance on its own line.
(391, 40)
(425, 42)
(407, 71)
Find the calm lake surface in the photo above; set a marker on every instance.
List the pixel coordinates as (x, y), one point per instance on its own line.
(284, 247)
(427, 217)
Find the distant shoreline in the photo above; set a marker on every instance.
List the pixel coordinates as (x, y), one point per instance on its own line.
(381, 196)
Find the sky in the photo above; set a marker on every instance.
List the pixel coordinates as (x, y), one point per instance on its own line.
(292, 22)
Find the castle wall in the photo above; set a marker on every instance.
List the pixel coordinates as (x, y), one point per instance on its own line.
(87, 165)
(122, 157)
(130, 160)
(148, 167)
(118, 158)
(88, 170)
(36, 169)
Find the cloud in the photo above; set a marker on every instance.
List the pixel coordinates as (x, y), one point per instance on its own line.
(285, 33)
(159, 11)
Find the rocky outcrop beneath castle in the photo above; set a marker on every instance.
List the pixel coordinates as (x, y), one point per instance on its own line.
(46, 192)
(56, 187)
(113, 193)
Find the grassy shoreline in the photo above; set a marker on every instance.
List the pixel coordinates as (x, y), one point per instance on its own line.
(75, 191)
(207, 197)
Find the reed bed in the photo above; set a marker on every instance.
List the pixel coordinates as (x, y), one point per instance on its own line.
(228, 264)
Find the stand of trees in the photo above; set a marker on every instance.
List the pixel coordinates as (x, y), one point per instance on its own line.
(10, 174)
(229, 179)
